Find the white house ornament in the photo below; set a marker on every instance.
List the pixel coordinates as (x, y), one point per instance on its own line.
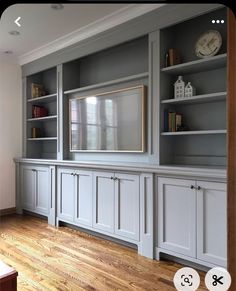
(190, 91)
(179, 87)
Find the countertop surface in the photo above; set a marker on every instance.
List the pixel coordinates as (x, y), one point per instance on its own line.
(193, 171)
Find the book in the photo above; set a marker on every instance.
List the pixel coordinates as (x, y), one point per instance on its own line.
(35, 132)
(37, 90)
(171, 121)
(174, 57)
(166, 121)
(39, 111)
(178, 121)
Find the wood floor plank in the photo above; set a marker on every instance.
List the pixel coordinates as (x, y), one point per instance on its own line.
(49, 258)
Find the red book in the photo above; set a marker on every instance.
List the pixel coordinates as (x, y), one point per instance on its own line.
(39, 111)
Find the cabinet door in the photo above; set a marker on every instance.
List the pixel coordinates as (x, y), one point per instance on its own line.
(103, 199)
(83, 198)
(177, 216)
(42, 188)
(212, 223)
(127, 205)
(28, 183)
(66, 194)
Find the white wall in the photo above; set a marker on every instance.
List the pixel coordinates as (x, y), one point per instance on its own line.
(10, 130)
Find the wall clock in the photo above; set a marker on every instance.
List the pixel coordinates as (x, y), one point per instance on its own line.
(208, 44)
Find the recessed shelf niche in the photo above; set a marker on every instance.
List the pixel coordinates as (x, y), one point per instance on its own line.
(203, 142)
(43, 145)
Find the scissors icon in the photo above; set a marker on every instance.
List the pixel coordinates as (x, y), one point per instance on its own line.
(217, 280)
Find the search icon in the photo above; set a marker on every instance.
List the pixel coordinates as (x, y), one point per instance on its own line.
(186, 279)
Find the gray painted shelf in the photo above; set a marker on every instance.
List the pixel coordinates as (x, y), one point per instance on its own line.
(206, 64)
(108, 83)
(41, 138)
(46, 98)
(195, 132)
(52, 117)
(204, 98)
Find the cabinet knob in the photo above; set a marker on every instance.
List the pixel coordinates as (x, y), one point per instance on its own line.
(112, 178)
(198, 188)
(33, 170)
(192, 187)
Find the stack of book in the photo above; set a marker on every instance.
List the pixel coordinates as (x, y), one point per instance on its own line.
(39, 111)
(172, 121)
(37, 90)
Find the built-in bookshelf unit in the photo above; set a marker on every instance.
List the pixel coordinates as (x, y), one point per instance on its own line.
(201, 139)
(136, 61)
(41, 115)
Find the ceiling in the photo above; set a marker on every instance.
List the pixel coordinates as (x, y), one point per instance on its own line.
(44, 30)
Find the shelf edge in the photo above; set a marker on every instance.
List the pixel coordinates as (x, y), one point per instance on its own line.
(104, 84)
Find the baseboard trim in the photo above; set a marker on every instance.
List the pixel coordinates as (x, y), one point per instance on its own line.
(7, 211)
(183, 259)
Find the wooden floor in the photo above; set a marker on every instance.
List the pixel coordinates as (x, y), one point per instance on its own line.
(48, 258)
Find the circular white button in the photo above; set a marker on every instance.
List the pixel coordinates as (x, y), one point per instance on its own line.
(186, 279)
(218, 279)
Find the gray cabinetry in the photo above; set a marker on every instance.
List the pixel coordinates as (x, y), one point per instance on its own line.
(83, 197)
(212, 223)
(66, 194)
(177, 216)
(192, 220)
(127, 205)
(116, 204)
(35, 188)
(104, 201)
(75, 196)
(42, 193)
(27, 187)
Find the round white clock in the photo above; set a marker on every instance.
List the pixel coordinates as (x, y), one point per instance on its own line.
(208, 44)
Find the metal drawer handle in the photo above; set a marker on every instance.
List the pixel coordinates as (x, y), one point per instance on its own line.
(196, 188)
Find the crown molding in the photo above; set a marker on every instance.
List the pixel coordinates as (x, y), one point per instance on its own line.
(125, 14)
